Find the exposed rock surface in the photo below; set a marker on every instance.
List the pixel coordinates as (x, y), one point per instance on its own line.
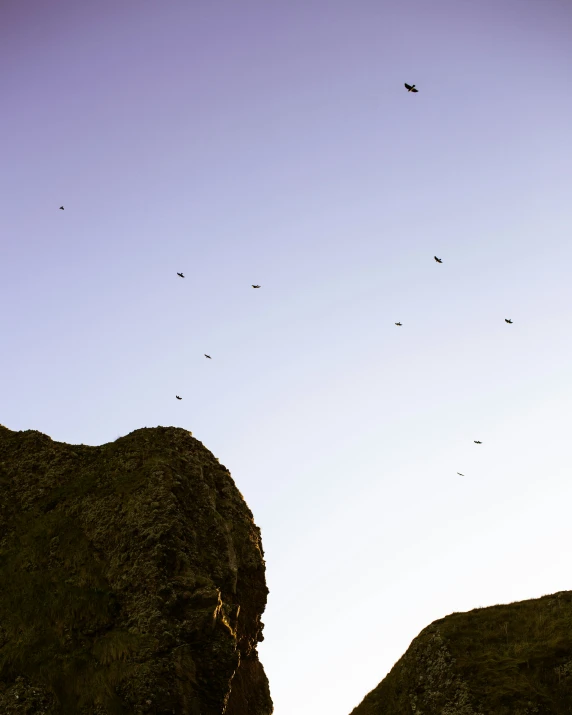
(131, 580)
(512, 659)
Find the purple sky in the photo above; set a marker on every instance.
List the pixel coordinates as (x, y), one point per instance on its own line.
(274, 143)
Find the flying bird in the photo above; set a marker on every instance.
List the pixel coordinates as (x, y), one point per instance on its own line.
(178, 398)
(180, 274)
(410, 87)
(256, 286)
(461, 475)
(209, 357)
(62, 208)
(507, 320)
(476, 441)
(398, 324)
(439, 260)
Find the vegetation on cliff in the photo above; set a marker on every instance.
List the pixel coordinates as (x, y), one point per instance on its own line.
(132, 579)
(513, 659)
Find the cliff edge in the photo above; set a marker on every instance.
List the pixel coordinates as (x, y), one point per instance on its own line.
(131, 579)
(513, 659)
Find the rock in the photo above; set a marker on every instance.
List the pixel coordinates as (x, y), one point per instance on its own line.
(132, 579)
(513, 659)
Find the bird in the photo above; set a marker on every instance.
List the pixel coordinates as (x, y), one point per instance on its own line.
(461, 475)
(398, 324)
(507, 320)
(178, 398)
(209, 357)
(439, 260)
(476, 441)
(62, 208)
(256, 286)
(410, 87)
(180, 274)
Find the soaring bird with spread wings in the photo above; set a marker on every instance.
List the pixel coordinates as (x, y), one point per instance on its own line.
(410, 87)
(178, 398)
(62, 208)
(209, 357)
(507, 320)
(476, 441)
(256, 286)
(439, 260)
(400, 324)
(181, 275)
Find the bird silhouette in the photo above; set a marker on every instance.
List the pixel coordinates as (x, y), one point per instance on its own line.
(439, 260)
(180, 274)
(507, 320)
(256, 286)
(178, 398)
(398, 324)
(461, 475)
(209, 357)
(410, 87)
(62, 208)
(476, 441)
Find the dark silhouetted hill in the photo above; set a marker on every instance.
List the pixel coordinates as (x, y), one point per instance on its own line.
(131, 579)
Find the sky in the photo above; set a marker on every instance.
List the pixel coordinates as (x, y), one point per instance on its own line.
(274, 143)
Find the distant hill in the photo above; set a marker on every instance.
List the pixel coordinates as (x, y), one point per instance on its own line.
(132, 579)
(503, 660)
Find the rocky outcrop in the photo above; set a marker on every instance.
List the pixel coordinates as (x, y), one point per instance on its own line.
(513, 659)
(131, 579)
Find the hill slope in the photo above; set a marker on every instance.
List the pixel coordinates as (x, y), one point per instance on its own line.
(132, 579)
(511, 659)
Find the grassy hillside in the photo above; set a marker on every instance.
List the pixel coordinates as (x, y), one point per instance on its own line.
(131, 579)
(513, 659)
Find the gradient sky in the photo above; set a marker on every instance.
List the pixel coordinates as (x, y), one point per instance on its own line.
(274, 143)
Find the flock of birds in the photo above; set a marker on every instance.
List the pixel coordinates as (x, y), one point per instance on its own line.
(409, 88)
(439, 260)
(181, 275)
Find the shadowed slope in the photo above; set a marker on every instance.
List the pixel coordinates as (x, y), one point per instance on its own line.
(512, 659)
(132, 579)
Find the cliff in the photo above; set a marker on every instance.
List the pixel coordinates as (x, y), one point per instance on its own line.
(131, 579)
(513, 659)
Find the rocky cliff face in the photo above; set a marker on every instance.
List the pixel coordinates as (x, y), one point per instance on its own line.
(131, 579)
(503, 660)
